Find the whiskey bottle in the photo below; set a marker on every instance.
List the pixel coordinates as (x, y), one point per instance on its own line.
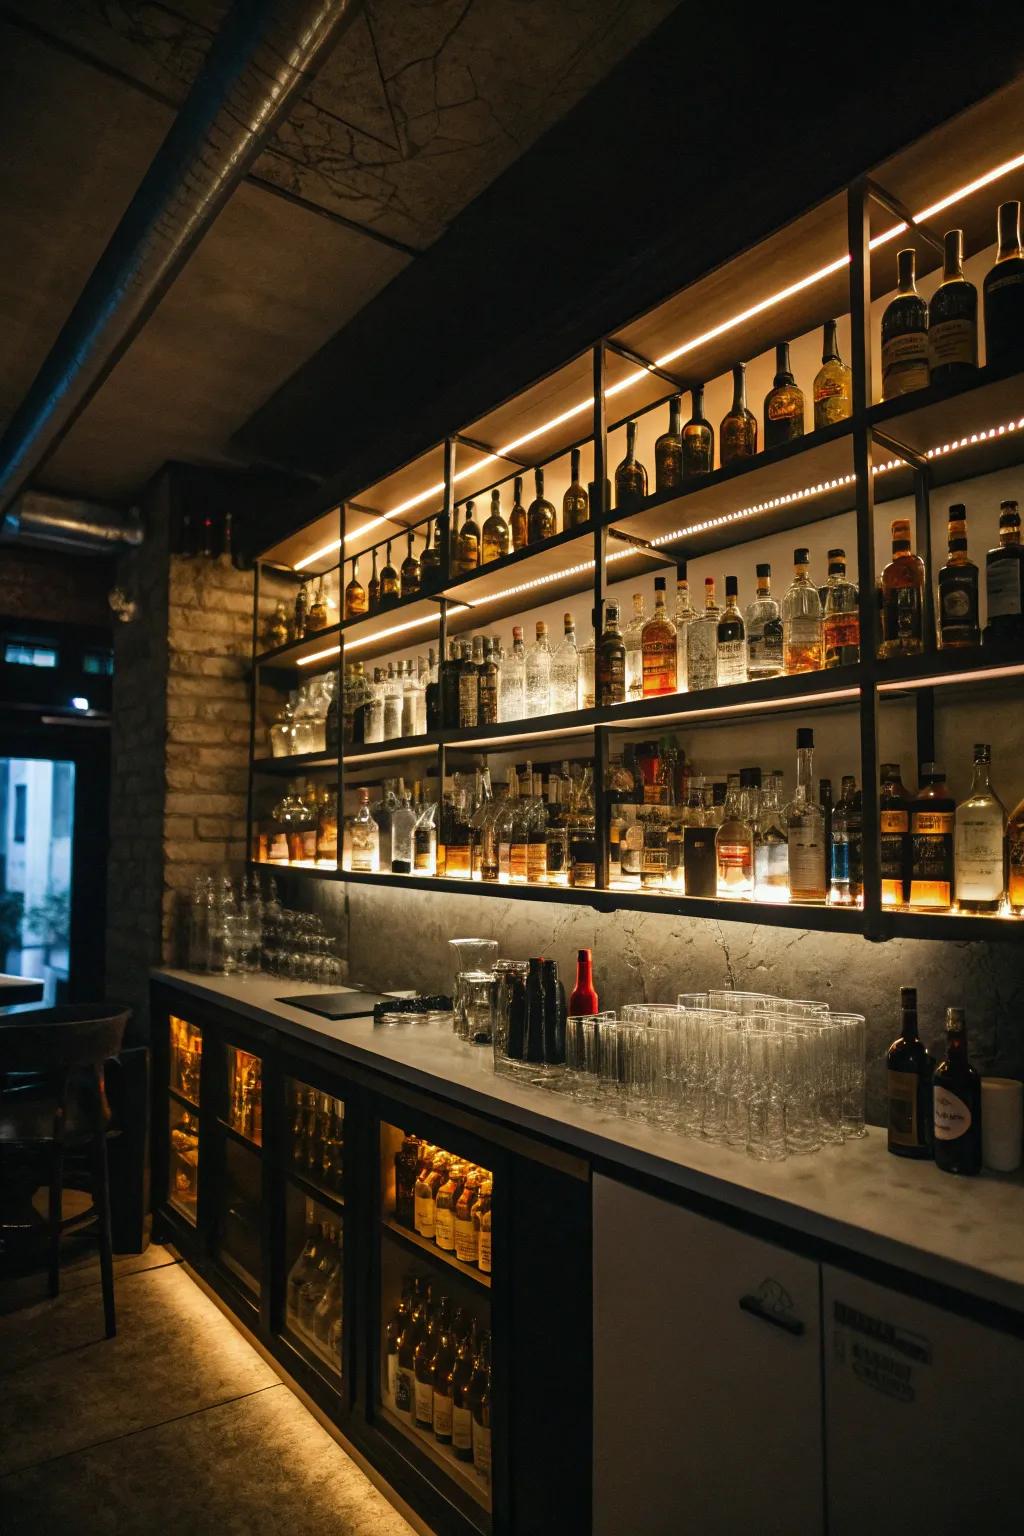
(444, 1207)
(423, 1376)
(734, 844)
(904, 334)
(956, 1100)
(518, 522)
(784, 403)
(610, 661)
(908, 1079)
(575, 502)
(441, 1369)
(430, 560)
(932, 826)
(894, 826)
(406, 1166)
(731, 642)
(1004, 581)
(840, 624)
(467, 544)
(390, 585)
(541, 520)
(902, 597)
(465, 1235)
(462, 1413)
(316, 618)
(702, 643)
(805, 828)
(737, 434)
(392, 1336)
(1004, 292)
(630, 475)
(698, 439)
(480, 1407)
(373, 589)
(355, 594)
(537, 835)
(764, 629)
(658, 647)
(958, 588)
(953, 318)
(979, 843)
(411, 573)
(801, 620)
(496, 536)
(833, 383)
(668, 450)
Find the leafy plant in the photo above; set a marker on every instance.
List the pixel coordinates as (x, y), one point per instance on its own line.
(12, 908)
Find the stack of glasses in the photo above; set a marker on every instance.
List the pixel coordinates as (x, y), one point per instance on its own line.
(771, 1076)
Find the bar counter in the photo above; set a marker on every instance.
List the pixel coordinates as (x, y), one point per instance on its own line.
(967, 1234)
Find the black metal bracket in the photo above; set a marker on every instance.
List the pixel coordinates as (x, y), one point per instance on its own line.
(646, 364)
(643, 546)
(894, 206)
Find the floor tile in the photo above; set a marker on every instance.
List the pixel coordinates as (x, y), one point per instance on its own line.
(261, 1463)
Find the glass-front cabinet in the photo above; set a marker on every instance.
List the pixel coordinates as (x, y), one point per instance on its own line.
(184, 1059)
(313, 1167)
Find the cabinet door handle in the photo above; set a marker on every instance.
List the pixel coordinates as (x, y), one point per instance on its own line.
(756, 1307)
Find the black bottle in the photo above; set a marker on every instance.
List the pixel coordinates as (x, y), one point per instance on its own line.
(516, 1043)
(909, 1085)
(554, 1014)
(956, 1103)
(533, 1034)
(1004, 291)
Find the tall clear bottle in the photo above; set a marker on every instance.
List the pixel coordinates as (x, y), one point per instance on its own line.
(684, 616)
(538, 675)
(801, 620)
(732, 638)
(403, 828)
(979, 847)
(633, 639)
(512, 680)
(771, 844)
(565, 670)
(764, 629)
(805, 827)
(702, 641)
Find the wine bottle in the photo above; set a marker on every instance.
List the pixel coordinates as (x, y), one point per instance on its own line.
(953, 318)
(904, 334)
(1004, 292)
(908, 1080)
(784, 403)
(737, 434)
(956, 1102)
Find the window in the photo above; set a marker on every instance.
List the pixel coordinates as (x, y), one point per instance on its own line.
(23, 653)
(98, 663)
(63, 781)
(20, 812)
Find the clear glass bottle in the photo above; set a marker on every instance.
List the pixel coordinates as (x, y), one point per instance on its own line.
(565, 671)
(538, 675)
(764, 629)
(1004, 291)
(801, 620)
(588, 679)
(737, 435)
(702, 644)
(518, 521)
(905, 334)
(771, 844)
(732, 639)
(542, 519)
(497, 540)
(485, 838)
(361, 839)
(633, 640)
(698, 439)
(805, 828)
(668, 451)
(610, 661)
(846, 873)
(512, 681)
(403, 827)
(833, 383)
(840, 622)
(658, 648)
(957, 616)
(425, 839)
(467, 544)
(979, 850)
(734, 844)
(575, 502)
(953, 318)
(902, 597)
(784, 403)
(392, 704)
(684, 616)
(630, 475)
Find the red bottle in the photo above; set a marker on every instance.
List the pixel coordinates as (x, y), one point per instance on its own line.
(584, 998)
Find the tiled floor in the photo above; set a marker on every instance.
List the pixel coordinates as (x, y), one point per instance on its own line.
(175, 1425)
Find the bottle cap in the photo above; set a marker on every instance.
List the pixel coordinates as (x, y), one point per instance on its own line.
(568, 620)
(801, 557)
(681, 570)
(804, 737)
(542, 628)
(982, 752)
(908, 997)
(659, 583)
(958, 512)
(764, 569)
(517, 631)
(732, 586)
(583, 954)
(900, 528)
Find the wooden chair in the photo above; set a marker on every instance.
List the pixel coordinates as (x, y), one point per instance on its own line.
(52, 1099)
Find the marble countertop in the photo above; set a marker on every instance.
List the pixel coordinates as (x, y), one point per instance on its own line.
(966, 1233)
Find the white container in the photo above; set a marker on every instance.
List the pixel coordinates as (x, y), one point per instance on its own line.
(1002, 1123)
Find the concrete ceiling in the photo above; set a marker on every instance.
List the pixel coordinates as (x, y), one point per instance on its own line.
(422, 105)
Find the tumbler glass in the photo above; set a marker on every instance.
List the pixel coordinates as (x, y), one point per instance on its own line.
(765, 1058)
(582, 1065)
(852, 1070)
(468, 955)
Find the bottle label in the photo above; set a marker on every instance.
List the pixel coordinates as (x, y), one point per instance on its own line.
(953, 341)
(518, 861)
(403, 1393)
(393, 1376)
(537, 862)
(902, 1093)
(979, 859)
(482, 1448)
(956, 599)
(934, 823)
(484, 1250)
(442, 1416)
(659, 668)
(424, 1403)
(784, 407)
(952, 1116)
(465, 1241)
(905, 363)
(462, 1429)
(1003, 580)
(444, 1228)
(828, 386)
(806, 860)
(894, 821)
(732, 662)
(1013, 276)
(425, 1215)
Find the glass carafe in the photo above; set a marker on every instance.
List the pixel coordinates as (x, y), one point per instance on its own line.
(468, 956)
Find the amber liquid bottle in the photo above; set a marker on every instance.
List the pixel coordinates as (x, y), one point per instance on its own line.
(932, 830)
(355, 594)
(894, 827)
(958, 588)
(496, 537)
(902, 597)
(1004, 292)
(784, 403)
(430, 561)
(630, 475)
(517, 522)
(467, 544)
(575, 502)
(737, 435)
(411, 574)
(542, 519)
(953, 318)
(833, 383)
(698, 439)
(390, 586)
(373, 590)
(668, 450)
(908, 1080)
(956, 1101)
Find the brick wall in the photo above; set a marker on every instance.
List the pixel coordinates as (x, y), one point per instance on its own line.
(50, 585)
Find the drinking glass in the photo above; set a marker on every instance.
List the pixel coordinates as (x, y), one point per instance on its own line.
(468, 955)
(477, 990)
(582, 1065)
(738, 1002)
(765, 1060)
(851, 1027)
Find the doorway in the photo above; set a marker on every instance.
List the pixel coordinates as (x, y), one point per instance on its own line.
(37, 812)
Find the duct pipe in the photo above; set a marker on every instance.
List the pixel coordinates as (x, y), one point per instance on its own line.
(64, 522)
(259, 63)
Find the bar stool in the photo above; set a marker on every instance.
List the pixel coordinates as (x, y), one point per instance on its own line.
(52, 1099)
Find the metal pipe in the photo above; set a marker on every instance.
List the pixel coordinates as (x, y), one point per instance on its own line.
(261, 60)
(63, 522)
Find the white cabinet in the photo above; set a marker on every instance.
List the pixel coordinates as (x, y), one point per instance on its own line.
(707, 1376)
(925, 1412)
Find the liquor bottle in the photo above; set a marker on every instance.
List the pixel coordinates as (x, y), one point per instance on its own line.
(441, 1368)
(469, 688)
(512, 680)
(630, 475)
(482, 1224)
(658, 648)
(444, 1207)
(702, 643)
(390, 584)
(565, 671)
(953, 318)
(764, 629)
(731, 643)
(557, 835)
(805, 827)
(537, 835)
(425, 839)
(403, 826)
(443, 544)
(459, 846)
(846, 839)
(553, 1033)
(408, 1342)
(633, 640)
(908, 1078)
(497, 540)
(411, 575)
(430, 561)
(610, 661)
(1015, 860)
(833, 383)
(406, 1165)
(958, 588)
(484, 832)
(480, 1407)
(583, 998)
(734, 844)
(392, 1335)
(932, 827)
(575, 502)
(467, 544)
(1004, 581)
(448, 680)
(904, 334)
(956, 1100)
(771, 844)
(801, 620)
(979, 841)
(894, 826)
(518, 522)
(519, 833)
(784, 403)
(683, 617)
(581, 825)
(737, 435)
(361, 840)
(465, 1234)
(902, 597)
(427, 1186)
(840, 620)
(423, 1376)
(698, 439)
(299, 611)
(355, 594)
(538, 675)
(668, 450)
(488, 684)
(541, 520)
(1004, 292)
(373, 589)
(462, 1414)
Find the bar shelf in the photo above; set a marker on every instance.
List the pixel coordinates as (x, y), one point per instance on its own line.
(929, 418)
(296, 762)
(462, 1473)
(295, 652)
(314, 1191)
(419, 1245)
